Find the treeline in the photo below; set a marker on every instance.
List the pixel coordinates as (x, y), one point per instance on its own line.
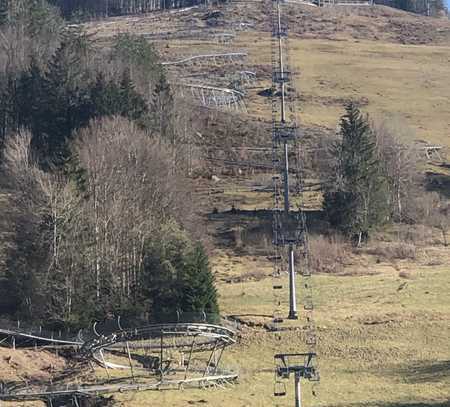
(85, 9)
(97, 214)
(425, 7)
(107, 8)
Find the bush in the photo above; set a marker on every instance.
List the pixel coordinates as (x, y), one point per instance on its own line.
(394, 251)
(327, 254)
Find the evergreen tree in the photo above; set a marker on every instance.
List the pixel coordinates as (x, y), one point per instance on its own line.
(163, 269)
(8, 106)
(161, 106)
(105, 96)
(177, 277)
(198, 291)
(30, 96)
(4, 12)
(66, 105)
(356, 201)
(132, 103)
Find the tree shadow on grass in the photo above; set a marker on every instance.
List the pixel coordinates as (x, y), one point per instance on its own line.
(250, 232)
(427, 372)
(438, 182)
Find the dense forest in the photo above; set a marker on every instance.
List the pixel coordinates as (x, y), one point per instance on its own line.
(107, 8)
(97, 213)
(76, 9)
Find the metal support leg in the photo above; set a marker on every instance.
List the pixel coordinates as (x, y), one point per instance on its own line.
(104, 363)
(292, 294)
(298, 390)
(286, 179)
(210, 359)
(189, 358)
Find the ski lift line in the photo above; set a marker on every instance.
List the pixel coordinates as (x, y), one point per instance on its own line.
(206, 56)
(284, 135)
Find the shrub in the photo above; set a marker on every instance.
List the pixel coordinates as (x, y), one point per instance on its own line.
(327, 254)
(394, 251)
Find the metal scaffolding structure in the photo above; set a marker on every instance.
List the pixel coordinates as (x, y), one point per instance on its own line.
(215, 59)
(284, 135)
(155, 356)
(214, 97)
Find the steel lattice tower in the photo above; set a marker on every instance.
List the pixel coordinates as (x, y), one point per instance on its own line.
(289, 226)
(284, 134)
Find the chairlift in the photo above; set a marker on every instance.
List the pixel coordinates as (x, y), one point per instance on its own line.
(314, 390)
(279, 389)
(315, 378)
(281, 76)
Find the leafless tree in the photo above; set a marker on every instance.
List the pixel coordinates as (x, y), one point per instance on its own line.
(436, 213)
(132, 189)
(47, 203)
(402, 165)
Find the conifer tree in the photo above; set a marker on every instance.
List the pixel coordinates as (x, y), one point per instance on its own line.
(199, 293)
(4, 12)
(66, 104)
(162, 106)
(105, 96)
(132, 104)
(30, 96)
(356, 199)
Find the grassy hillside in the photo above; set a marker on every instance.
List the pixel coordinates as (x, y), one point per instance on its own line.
(380, 344)
(407, 83)
(393, 62)
(384, 325)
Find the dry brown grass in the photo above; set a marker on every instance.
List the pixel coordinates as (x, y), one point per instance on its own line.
(393, 251)
(328, 254)
(26, 364)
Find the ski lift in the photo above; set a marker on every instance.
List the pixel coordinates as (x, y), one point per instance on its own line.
(315, 390)
(280, 389)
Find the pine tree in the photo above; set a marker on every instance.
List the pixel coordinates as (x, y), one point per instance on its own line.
(132, 103)
(162, 106)
(198, 291)
(66, 104)
(8, 106)
(105, 96)
(356, 201)
(30, 96)
(4, 12)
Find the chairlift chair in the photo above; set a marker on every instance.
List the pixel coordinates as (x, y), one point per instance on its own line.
(279, 389)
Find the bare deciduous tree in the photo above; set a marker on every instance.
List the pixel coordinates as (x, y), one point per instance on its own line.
(133, 189)
(402, 164)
